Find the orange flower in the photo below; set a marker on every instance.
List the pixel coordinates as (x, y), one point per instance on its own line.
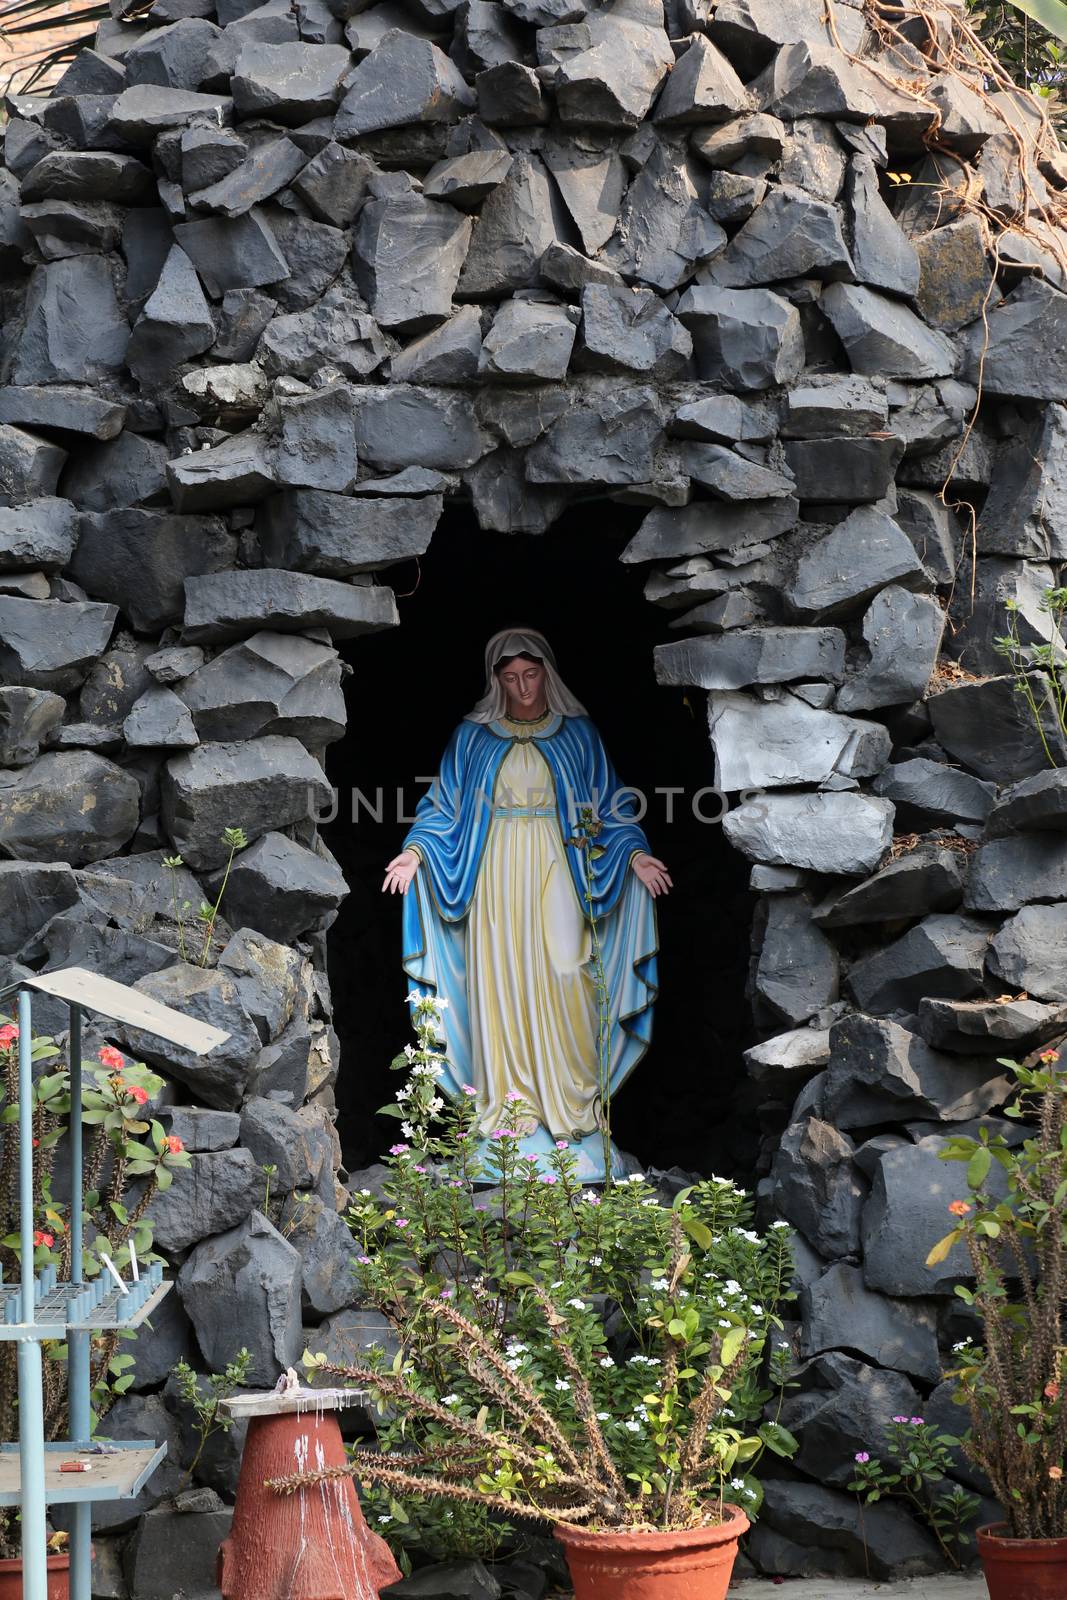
(1055, 1473)
(1048, 1056)
(959, 1208)
(1052, 1390)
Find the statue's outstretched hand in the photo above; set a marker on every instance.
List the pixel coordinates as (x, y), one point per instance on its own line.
(400, 871)
(653, 874)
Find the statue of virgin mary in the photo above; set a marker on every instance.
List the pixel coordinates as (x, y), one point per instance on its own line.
(498, 925)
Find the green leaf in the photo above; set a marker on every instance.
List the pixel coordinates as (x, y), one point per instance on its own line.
(698, 1231)
(980, 1162)
(1052, 14)
(778, 1439)
(732, 1341)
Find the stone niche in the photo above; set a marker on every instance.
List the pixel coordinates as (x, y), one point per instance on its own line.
(277, 282)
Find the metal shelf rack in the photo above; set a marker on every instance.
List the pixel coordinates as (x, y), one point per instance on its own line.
(39, 1308)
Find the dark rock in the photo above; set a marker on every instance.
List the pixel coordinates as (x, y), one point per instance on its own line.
(270, 683)
(884, 338)
(511, 96)
(830, 582)
(30, 896)
(27, 717)
(276, 1138)
(1034, 805)
(569, 270)
(620, 62)
(142, 112)
(333, 184)
(780, 1066)
(789, 235)
(28, 466)
(219, 1077)
(447, 354)
(387, 419)
(733, 196)
(796, 974)
(282, 889)
(818, 1188)
(38, 536)
(808, 1530)
(516, 226)
(466, 180)
(337, 536)
(703, 87)
(881, 1073)
(57, 406)
(243, 1288)
(908, 1213)
(328, 1254)
(841, 1402)
(270, 167)
(988, 728)
(176, 57)
(784, 742)
(140, 560)
(449, 1580)
(529, 341)
(154, 1357)
(215, 1192)
(757, 136)
(1028, 952)
(955, 277)
(829, 470)
(336, 332)
(1026, 350)
(50, 345)
(610, 440)
(402, 80)
(972, 1027)
(743, 338)
(752, 655)
(933, 529)
(840, 1312)
(1025, 513)
(243, 316)
(208, 155)
(233, 252)
(268, 783)
(68, 805)
(924, 880)
(158, 720)
(591, 177)
(66, 228)
(175, 324)
(50, 644)
(724, 418)
(832, 832)
(407, 257)
(168, 1534)
(751, 30)
(809, 79)
(315, 447)
(902, 632)
(882, 254)
(228, 605)
(943, 956)
(290, 83)
(664, 233)
(705, 525)
(203, 1131)
(732, 476)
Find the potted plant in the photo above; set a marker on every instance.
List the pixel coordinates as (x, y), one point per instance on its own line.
(114, 1094)
(1014, 1227)
(598, 1360)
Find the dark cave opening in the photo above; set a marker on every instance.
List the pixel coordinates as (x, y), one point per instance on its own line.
(686, 1103)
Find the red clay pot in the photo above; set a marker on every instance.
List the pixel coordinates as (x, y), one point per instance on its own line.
(1022, 1569)
(692, 1564)
(58, 1578)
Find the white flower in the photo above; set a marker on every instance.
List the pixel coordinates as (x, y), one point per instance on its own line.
(516, 1349)
(557, 1285)
(405, 1093)
(579, 1305)
(365, 1192)
(643, 1361)
(437, 1104)
(757, 1311)
(603, 1416)
(636, 1177)
(651, 1202)
(606, 1361)
(732, 1286)
(451, 1400)
(964, 1344)
(385, 1519)
(746, 1233)
(723, 1323)
(779, 1224)
(562, 1385)
(659, 1283)
(737, 1483)
(407, 1130)
(720, 1301)
(596, 1261)
(632, 1427)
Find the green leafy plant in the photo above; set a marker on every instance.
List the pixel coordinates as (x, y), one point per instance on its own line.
(204, 1396)
(127, 1146)
(207, 915)
(555, 1351)
(919, 1464)
(1014, 1229)
(1039, 670)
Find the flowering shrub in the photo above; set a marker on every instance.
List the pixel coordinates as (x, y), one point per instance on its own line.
(919, 1464)
(114, 1094)
(1015, 1230)
(565, 1353)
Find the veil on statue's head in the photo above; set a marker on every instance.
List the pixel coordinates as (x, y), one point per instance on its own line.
(519, 642)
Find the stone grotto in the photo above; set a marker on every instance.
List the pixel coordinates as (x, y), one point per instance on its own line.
(781, 285)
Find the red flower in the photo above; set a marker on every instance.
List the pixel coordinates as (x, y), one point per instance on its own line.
(47, 1239)
(1052, 1390)
(173, 1144)
(140, 1095)
(1048, 1056)
(110, 1057)
(8, 1034)
(959, 1208)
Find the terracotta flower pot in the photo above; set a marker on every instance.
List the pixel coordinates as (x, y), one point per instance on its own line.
(1022, 1569)
(58, 1578)
(692, 1564)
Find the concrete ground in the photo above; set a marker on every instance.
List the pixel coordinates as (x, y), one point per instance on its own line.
(946, 1588)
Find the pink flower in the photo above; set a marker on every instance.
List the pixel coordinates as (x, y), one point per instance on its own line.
(364, 1261)
(140, 1095)
(174, 1144)
(549, 1177)
(513, 1095)
(900, 1419)
(593, 1200)
(399, 1149)
(111, 1058)
(8, 1034)
(417, 1168)
(561, 1144)
(862, 1457)
(503, 1133)
(531, 1158)
(46, 1239)
(446, 1294)
(402, 1222)
(916, 1422)
(469, 1090)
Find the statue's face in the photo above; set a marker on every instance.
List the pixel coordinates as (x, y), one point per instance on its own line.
(524, 683)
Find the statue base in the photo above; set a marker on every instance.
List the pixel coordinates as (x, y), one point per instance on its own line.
(588, 1150)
